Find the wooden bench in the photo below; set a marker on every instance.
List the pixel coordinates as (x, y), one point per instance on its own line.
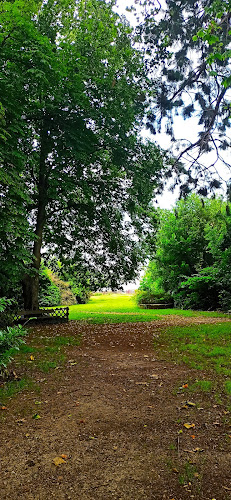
(156, 306)
(57, 315)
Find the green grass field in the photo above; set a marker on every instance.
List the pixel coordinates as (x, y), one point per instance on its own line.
(121, 308)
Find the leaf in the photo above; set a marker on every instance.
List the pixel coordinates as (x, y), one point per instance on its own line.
(189, 426)
(3, 408)
(32, 357)
(63, 456)
(58, 461)
(190, 403)
(36, 416)
(184, 386)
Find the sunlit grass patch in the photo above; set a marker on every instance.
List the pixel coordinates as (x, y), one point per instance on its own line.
(122, 308)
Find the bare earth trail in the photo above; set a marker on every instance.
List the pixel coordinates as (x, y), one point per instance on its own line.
(115, 413)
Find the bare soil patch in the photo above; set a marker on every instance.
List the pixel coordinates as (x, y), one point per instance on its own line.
(115, 414)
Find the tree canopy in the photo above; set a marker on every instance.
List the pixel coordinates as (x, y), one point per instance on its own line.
(192, 257)
(187, 47)
(74, 92)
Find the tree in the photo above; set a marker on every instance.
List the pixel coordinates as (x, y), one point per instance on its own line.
(74, 127)
(188, 53)
(192, 258)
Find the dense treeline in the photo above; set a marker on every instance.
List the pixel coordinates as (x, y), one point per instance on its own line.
(192, 259)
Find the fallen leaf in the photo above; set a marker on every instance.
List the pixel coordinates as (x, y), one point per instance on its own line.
(184, 386)
(154, 375)
(142, 383)
(27, 435)
(36, 416)
(58, 461)
(189, 426)
(190, 404)
(175, 470)
(64, 456)
(198, 450)
(192, 436)
(32, 357)
(74, 363)
(37, 402)
(3, 408)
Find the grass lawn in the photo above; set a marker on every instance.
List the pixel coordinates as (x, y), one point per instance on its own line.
(203, 347)
(121, 308)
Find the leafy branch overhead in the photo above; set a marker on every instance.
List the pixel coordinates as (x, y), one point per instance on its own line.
(188, 54)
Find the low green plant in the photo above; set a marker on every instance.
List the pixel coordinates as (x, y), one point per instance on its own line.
(188, 473)
(15, 386)
(10, 341)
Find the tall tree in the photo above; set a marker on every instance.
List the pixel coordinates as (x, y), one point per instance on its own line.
(188, 53)
(81, 99)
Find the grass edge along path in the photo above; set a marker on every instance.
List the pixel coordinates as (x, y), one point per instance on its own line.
(204, 347)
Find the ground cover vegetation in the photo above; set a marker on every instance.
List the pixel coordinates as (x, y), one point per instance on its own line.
(203, 347)
(191, 261)
(74, 92)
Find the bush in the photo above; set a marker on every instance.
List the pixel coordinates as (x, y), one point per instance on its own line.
(8, 310)
(49, 294)
(10, 341)
(81, 293)
(147, 297)
(199, 292)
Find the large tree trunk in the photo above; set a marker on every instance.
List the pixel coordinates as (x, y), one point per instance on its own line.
(31, 280)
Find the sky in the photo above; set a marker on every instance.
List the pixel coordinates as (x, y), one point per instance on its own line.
(183, 129)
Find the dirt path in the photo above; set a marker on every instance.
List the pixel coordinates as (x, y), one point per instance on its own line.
(116, 414)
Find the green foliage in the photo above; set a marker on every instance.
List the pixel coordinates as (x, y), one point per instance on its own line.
(188, 54)
(82, 294)
(74, 91)
(49, 294)
(193, 255)
(150, 289)
(146, 297)
(10, 341)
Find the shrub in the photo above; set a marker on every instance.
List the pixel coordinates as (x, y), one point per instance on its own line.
(10, 339)
(147, 297)
(81, 293)
(10, 342)
(200, 291)
(49, 294)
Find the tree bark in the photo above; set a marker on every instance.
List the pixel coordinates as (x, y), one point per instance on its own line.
(31, 280)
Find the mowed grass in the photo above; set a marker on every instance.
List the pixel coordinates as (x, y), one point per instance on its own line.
(122, 308)
(203, 347)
